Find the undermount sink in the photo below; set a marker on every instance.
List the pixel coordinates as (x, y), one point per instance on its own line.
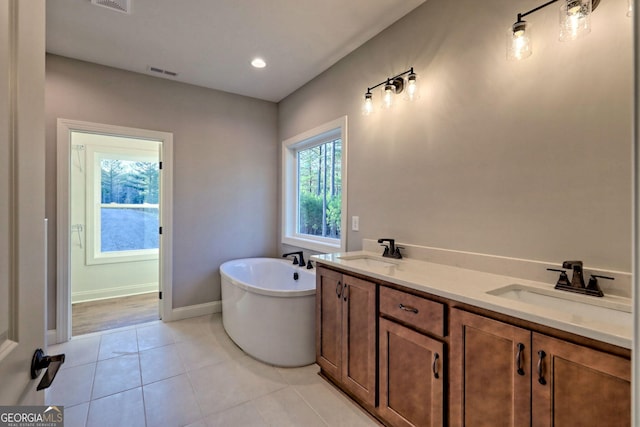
(609, 309)
(369, 261)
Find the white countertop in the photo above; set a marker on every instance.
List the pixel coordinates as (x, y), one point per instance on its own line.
(471, 287)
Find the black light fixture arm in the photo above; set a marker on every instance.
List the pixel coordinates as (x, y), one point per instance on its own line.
(522, 15)
(594, 4)
(390, 80)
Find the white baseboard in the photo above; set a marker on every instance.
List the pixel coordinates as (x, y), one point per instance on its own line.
(120, 291)
(193, 311)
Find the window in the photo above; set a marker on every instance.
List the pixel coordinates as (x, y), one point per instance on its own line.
(122, 202)
(314, 188)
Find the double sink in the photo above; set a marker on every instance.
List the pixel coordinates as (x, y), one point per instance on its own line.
(610, 309)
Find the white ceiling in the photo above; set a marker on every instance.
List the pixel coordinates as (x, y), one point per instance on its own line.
(210, 43)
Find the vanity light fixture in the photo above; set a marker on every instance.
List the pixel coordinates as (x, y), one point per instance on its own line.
(575, 21)
(392, 87)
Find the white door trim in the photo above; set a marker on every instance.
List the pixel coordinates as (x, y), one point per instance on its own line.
(63, 300)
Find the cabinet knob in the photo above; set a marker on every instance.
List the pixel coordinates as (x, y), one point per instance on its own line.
(339, 289)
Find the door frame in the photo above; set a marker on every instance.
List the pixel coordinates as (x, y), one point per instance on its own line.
(165, 257)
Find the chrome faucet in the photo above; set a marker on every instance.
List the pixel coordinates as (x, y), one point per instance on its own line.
(297, 254)
(391, 250)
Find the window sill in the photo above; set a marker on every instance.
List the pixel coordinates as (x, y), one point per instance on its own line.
(314, 245)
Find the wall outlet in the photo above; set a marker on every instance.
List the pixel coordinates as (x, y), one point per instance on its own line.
(355, 223)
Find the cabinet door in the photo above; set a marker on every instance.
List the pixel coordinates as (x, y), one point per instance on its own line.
(490, 372)
(578, 386)
(329, 289)
(359, 338)
(411, 377)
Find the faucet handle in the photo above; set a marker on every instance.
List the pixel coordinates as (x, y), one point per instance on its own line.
(563, 280)
(386, 250)
(593, 288)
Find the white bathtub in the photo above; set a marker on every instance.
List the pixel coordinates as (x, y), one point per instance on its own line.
(267, 313)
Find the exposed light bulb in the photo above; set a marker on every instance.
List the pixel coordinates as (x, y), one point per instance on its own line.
(519, 41)
(630, 8)
(389, 91)
(412, 86)
(367, 108)
(575, 19)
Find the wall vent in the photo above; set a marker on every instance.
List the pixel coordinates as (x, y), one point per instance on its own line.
(123, 6)
(157, 70)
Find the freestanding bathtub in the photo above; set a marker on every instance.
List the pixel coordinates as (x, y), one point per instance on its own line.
(269, 313)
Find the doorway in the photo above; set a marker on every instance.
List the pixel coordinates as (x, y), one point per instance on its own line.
(113, 216)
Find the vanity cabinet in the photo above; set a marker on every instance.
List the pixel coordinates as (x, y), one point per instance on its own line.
(346, 332)
(577, 386)
(510, 376)
(411, 366)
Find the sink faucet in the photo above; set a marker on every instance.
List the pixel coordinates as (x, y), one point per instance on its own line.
(298, 254)
(577, 280)
(391, 250)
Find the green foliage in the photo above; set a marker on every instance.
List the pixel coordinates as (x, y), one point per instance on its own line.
(319, 189)
(129, 182)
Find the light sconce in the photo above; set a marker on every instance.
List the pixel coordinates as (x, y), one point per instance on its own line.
(575, 21)
(630, 8)
(392, 87)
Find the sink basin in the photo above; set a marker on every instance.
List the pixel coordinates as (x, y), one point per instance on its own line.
(369, 261)
(608, 309)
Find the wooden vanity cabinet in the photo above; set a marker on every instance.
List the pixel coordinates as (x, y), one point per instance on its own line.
(574, 385)
(504, 375)
(346, 332)
(411, 365)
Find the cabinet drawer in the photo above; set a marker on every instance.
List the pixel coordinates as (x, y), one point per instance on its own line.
(415, 311)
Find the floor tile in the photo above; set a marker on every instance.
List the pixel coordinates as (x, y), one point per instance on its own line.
(230, 383)
(116, 375)
(244, 415)
(304, 375)
(160, 363)
(156, 335)
(286, 408)
(118, 410)
(200, 352)
(78, 351)
(171, 402)
(118, 344)
(72, 386)
(189, 329)
(334, 407)
(76, 416)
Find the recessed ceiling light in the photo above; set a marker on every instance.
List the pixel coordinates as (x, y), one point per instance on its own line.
(258, 63)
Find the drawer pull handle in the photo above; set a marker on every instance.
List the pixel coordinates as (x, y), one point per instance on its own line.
(541, 379)
(344, 292)
(339, 289)
(434, 366)
(408, 308)
(519, 359)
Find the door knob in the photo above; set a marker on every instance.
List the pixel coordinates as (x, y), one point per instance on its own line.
(40, 361)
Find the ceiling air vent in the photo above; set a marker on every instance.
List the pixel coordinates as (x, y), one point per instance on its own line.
(123, 6)
(157, 70)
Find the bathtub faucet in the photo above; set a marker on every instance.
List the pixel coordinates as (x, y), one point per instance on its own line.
(295, 258)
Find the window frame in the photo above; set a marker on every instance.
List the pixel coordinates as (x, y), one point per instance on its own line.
(324, 133)
(95, 154)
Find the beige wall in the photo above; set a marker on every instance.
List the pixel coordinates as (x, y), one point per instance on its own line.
(529, 159)
(225, 165)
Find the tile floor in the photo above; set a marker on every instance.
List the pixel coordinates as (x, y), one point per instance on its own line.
(188, 373)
